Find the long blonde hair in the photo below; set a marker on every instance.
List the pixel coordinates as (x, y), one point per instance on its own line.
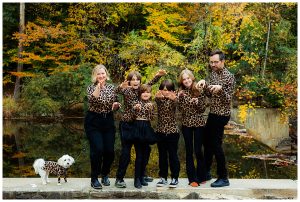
(194, 91)
(95, 71)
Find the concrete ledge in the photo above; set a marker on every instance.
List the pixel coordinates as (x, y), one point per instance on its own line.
(79, 188)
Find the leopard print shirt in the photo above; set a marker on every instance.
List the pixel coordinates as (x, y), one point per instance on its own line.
(146, 112)
(191, 112)
(130, 98)
(220, 103)
(103, 103)
(166, 120)
(54, 168)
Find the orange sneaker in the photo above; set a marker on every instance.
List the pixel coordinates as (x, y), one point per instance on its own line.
(194, 184)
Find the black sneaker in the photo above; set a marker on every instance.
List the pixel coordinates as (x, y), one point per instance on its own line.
(105, 181)
(120, 183)
(208, 176)
(137, 183)
(143, 182)
(162, 182)
(148, 179)
(220, 183)
(174, 183)
(95, 184)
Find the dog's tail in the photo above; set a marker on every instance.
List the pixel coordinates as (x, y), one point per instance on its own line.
(38, 164)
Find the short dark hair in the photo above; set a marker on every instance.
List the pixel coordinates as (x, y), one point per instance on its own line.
(218, 52)
(167, 84)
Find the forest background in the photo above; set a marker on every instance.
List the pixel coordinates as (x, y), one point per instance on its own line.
(47, 62)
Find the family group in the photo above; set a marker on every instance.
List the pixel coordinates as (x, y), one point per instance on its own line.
(203, 136)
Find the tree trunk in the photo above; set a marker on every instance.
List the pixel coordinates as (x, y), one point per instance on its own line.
(267, 47)
(20, 64)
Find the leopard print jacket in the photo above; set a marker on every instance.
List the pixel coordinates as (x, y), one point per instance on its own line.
(166, 120)
(54, 168)
(103, 103)
(191, 112)
(220, 103)
(130, 98)
(146, 111)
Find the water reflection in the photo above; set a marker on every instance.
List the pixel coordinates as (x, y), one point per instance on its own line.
(25, 141)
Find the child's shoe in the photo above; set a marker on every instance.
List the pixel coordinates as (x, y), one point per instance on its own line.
(162, 182)
(174, 183)
(194, 184)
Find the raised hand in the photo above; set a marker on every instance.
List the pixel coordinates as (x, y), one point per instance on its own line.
(116, 105)
(159, 94)
(200, 84)
(181, 93)
(214, 88)
(125, 84)
(149, 105)
(161, 72)
(137, 107)
(171, 95)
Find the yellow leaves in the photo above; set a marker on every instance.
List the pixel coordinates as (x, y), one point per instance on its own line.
(166, 23)
(243, 111)
(23, 74)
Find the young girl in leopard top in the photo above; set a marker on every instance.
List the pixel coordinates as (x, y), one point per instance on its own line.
(168, 133)
(143, 133)
(192, 107)
(130, 91)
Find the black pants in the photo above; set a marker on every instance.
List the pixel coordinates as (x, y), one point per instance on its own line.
(100, 131)
(167, 150)
(125, 155)
(142, 153)
(214, 133)
(194, 140)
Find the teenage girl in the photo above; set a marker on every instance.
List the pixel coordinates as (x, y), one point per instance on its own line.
(129, 89)
(192, 107)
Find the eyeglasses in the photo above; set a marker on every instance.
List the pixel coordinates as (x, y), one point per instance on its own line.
(214, 62)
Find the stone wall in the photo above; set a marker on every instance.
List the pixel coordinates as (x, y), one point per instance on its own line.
(264, 125)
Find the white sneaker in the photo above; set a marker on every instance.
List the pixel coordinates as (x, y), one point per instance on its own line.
(162, 182)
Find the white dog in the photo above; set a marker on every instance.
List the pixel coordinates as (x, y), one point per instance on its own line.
(59, 168)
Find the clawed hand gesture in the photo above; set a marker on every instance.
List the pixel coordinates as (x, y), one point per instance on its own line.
(137, 107)
(181, 93)
(214, 88)
(125, 84)
(161, 72)
(200, 85)
(116, 105)
(101, 84)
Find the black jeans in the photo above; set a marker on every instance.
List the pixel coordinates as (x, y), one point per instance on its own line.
(214, 132)
(125, 155)
(194, 139)
(167, 150)
(142, 154)
(100, 132)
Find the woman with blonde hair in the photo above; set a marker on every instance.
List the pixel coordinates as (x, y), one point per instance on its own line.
(99, 125)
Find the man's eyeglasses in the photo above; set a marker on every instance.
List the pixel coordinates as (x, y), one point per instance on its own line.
(213, 62)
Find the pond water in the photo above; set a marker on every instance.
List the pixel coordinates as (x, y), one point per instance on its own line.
(25, 141)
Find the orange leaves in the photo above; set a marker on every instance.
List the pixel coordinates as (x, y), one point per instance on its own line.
(47, 44)
(23, 74)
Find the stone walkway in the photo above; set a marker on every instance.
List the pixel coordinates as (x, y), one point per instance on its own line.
(79, 188)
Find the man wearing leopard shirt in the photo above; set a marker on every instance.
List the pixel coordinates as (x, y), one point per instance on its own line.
(219, 88)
